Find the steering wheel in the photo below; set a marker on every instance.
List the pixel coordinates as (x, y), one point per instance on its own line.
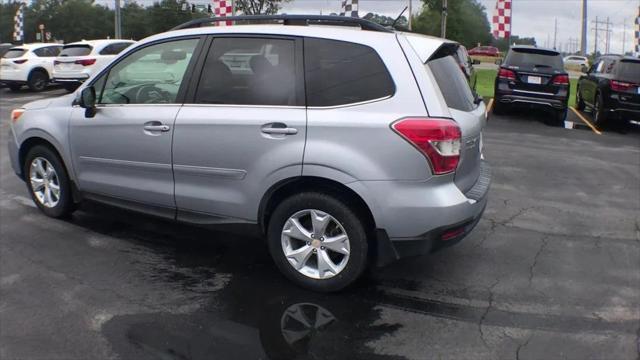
(151, 94)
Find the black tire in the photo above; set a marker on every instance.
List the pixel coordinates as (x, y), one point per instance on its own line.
(70, 87)
(560, 116)
(580, 105)
(15, 87)
(38, 80)
(498, 108)
(599, 112)
(65, 205)
(349, 219)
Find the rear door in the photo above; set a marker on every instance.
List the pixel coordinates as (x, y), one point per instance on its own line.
(468, 113)
(242, 128)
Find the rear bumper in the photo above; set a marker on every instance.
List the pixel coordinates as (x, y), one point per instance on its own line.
(623, 110)
(415, 229)
(70, 77)
(551, 102)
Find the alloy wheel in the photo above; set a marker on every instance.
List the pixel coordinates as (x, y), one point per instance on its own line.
(315, 244)
(44, 182)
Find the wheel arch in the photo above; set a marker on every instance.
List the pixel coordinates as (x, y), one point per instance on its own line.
(29, 144)
(39, 68)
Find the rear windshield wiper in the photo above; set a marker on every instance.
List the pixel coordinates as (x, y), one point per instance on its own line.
(542, 65)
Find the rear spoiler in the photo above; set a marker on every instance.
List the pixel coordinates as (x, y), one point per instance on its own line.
(446, 49)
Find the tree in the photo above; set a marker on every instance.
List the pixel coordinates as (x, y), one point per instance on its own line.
(504, 44)
(257, 7)
(466, 21)
(386, 20)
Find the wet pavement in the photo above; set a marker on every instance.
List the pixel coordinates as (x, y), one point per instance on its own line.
(552, 271)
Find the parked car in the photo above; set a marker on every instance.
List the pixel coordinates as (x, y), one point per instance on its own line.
(77, 61)
(532, 76)
(4, 47)
(28, 64)
(464, 61)
(611, 88)
(346, 146)
(485, 51)
(576, 60)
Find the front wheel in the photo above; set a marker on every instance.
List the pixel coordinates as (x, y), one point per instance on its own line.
(37, 81)
(318, 242)
(48, 182)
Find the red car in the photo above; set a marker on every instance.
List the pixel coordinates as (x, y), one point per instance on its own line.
(485, 51)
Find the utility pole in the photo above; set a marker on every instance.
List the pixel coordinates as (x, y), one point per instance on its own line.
(443, 23)
(118, 21)
(555, 33)
(595, 43)
(624, 34)
(583, 40)
(410, 16)
(608, 37)
(233, 7)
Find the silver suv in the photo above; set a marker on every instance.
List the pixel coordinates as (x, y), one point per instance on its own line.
(347, 143)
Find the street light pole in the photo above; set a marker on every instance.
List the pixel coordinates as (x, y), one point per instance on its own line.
(443, 23)
(118, 21)
(410, 12)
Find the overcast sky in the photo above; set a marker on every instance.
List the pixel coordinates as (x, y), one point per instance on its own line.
(530, 17)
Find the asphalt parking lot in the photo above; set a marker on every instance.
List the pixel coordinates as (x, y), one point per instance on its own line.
(552, 271)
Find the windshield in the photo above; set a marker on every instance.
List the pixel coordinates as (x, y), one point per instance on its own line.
(76, 50)
(14, 53)
(629, 70)
(529, 58)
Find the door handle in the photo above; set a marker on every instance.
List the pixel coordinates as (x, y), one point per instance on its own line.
(163, 128)
(280, 131)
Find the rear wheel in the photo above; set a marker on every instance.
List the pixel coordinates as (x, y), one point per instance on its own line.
(498, 107)
(70, 87)
(15, 87)
(318, 242)
(38, 80)
(579, 102)
(599, 112)
(48, 182)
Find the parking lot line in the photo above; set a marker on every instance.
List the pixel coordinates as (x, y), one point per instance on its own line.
(595, 129)
(489, 106)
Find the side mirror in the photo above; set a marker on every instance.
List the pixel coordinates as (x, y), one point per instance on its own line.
(88, 101)
(476, 62)
(498, 62)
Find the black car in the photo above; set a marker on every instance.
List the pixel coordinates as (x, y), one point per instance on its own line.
(611, 88)
(532, 76)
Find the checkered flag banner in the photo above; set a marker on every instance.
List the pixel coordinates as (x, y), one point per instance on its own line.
(502, 19)
(18, 24)
(223, 8)
(349, 7)
(637, 32)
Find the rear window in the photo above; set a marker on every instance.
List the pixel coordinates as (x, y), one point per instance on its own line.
(453, 84)
(629, 70)
(14, 53)
(340, 73)
(114, 49)
(76, 50)
(529, 58)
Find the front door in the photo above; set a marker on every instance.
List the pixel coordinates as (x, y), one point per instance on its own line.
(242, 130)
(124, 151)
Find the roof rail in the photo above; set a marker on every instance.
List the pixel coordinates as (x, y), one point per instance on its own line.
(289, 20)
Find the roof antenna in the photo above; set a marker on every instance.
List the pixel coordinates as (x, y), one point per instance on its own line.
(393, 25)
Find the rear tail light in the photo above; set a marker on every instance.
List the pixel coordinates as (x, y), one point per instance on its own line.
(437, 139)
(15, 114)
(620, 86)
(506, 74)
(20, 61)
(85, 62)
(561, 80)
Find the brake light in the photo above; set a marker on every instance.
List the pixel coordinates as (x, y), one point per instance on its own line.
(85, 62)
(20, 61)
(437, 139)
(507, 74)
(620, 86)
(561, 80)
(15, 114)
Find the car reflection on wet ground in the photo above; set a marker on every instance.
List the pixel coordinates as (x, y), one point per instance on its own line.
(552, 271)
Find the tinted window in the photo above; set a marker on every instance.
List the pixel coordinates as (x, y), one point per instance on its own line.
(629, 70)
(50, 51)
(14, 53)
(76, 50)
(530, 58)
(151, 75)
(452, 83)
(339, 73)
(114, 49)
(249, 71)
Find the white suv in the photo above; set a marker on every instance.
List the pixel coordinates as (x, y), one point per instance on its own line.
(28, 64)
(77, 61)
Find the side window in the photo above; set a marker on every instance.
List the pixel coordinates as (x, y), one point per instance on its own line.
(114, 49)
(339, 73)
(249, 71)
(609, 68)
(151, 75)
(452, 83)
(49, 51)
(599, 66)
(55, 50)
